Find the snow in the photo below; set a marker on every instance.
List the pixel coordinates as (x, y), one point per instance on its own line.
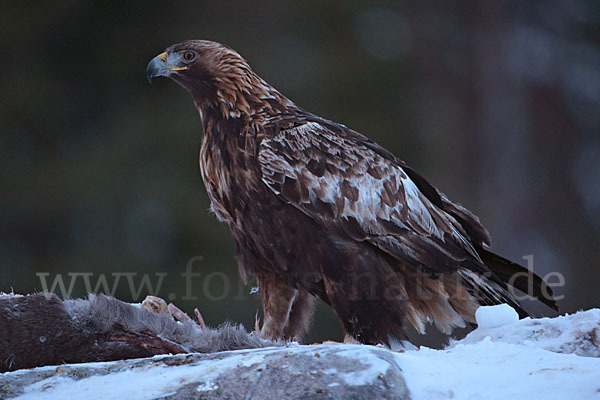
(578, 333)
(507, 358)
(549, 358)
(495, 316)
(493, 370)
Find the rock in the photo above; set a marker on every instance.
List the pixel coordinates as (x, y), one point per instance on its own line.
(332, 371)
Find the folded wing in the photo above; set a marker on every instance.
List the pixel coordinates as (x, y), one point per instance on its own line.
(341, 180)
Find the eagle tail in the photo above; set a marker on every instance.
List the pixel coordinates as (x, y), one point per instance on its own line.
(512, 274)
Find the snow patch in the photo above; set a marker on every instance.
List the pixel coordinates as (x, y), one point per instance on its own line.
(578, 333)
(495, 370)
(548, 358)
(495, 316)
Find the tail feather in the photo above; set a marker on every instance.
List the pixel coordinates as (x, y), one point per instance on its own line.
(510, 273)
(489, 290)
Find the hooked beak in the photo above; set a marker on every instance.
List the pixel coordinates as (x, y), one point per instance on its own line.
(161, 66)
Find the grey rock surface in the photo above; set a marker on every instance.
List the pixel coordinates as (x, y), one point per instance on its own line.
(328, 371)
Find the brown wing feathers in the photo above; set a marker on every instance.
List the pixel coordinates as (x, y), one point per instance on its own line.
(351, 189)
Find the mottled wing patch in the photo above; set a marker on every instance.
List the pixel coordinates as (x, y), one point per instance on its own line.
(355, 192)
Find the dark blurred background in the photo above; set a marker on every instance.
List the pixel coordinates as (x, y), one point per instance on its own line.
(496, 103)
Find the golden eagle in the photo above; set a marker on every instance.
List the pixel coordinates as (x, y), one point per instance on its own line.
(317, 209)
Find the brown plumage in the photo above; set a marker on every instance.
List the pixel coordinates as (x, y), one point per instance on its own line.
(317, 209)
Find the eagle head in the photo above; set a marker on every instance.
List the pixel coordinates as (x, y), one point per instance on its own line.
(195, 59)
(216, 75)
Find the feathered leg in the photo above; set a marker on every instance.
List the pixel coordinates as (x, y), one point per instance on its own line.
(300, 317)
(287, 311)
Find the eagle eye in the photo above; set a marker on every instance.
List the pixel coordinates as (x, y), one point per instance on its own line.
(189, 55)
